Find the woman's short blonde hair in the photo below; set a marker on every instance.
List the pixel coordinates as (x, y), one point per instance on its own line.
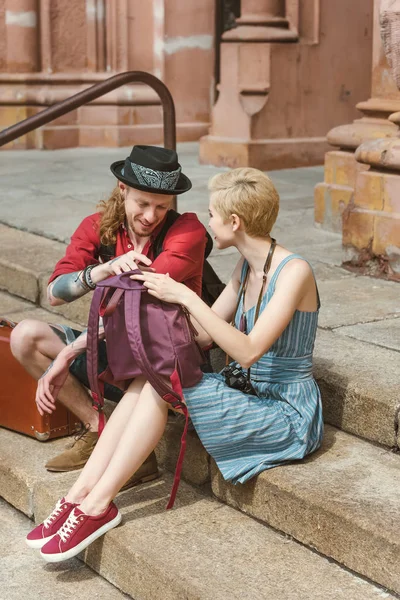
(249, 194)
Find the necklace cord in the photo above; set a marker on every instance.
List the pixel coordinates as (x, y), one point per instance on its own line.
(242, 294)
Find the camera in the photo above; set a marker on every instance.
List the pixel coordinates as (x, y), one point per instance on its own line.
(236, 379)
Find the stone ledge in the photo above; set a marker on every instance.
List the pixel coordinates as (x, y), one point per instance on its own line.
(200, 550)
(24, 258)
(343, 501)
(359, 384)
(361, 400)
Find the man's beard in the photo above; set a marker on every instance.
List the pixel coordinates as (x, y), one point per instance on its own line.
(135, 230)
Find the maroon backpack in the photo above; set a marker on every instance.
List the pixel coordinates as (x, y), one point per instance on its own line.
(144, 336)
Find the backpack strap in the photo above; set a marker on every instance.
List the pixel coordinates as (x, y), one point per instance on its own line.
(173, 396)
(107, 252)
(158, 243)
(92, 354)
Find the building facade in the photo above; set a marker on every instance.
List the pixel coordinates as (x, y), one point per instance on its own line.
(259, 81)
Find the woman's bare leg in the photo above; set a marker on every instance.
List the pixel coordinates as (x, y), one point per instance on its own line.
(140, 436)
(107, 444)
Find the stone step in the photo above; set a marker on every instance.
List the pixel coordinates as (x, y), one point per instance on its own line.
(26, 263)
(343, 500)
(200, 550)
(359, 380)
(359, 384)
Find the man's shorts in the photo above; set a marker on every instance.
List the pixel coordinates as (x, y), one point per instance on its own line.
(78, 367)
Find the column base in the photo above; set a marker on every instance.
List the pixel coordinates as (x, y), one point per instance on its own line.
(371, 227)
(264, 154)
(335, 193)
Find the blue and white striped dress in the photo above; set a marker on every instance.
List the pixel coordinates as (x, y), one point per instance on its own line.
(247, 434)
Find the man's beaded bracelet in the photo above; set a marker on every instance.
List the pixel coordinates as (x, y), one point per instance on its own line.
(87, 279)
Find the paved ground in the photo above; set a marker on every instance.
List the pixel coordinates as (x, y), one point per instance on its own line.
(48, 193)
(24, 574)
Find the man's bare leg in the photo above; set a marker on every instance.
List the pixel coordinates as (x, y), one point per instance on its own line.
(34, 344)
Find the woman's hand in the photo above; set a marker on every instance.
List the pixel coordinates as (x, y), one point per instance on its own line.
(164, 287)
(50, 384)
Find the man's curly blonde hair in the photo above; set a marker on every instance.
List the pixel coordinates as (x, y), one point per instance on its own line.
(112, 216)
(249, 194)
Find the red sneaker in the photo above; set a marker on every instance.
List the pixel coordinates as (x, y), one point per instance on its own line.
(43, 533)
(78, 532)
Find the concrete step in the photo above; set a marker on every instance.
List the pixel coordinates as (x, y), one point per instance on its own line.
(343, 500)
(26, 263)
(359, 384)
(359, 380)
(23, 574)
(200, 550)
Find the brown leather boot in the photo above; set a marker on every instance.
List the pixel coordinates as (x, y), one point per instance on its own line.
(147, 472)
(76, 455)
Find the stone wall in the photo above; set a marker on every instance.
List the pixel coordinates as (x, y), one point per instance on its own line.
(51, 49)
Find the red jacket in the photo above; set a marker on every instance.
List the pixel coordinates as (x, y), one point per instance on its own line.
(182, 256)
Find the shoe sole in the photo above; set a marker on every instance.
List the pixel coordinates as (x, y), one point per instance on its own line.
(60, 470)
(60, 556)
(38, 543)
(144, 479)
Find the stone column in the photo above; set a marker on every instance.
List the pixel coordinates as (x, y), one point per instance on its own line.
(50, 50)
(245, 80)
(277, 92)
(22, 55)
(336, 193)
(371, 224)
(261, 13)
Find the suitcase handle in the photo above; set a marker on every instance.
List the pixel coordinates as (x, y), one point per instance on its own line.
(7, 323)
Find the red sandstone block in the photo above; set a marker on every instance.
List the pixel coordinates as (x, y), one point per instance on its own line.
(344, 168)
(386, 233)
(59, 137)
(391, 193)
(319, 202)
(358, 229)
(98, 115)
(146, 115)
(368, 192)
(97, 136)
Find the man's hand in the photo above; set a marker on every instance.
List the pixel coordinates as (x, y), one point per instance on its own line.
(129, 262)
(50, 384)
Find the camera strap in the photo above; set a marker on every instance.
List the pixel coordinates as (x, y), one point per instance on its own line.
(242, 294)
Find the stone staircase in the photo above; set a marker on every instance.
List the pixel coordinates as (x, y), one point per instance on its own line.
(343, 501)
(326, 527)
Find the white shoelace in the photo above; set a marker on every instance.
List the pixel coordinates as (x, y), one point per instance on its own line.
(68, 527)
(52, 517)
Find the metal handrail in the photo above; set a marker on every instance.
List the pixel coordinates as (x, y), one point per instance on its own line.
(93, 92)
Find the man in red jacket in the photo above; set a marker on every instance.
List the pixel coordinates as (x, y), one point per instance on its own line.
(116, 239)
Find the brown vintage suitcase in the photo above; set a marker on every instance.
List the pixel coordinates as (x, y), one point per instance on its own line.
(17, 398)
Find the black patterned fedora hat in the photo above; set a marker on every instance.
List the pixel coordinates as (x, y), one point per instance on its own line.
(152, 169)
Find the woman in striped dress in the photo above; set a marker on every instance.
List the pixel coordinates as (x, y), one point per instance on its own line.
(280, 420)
